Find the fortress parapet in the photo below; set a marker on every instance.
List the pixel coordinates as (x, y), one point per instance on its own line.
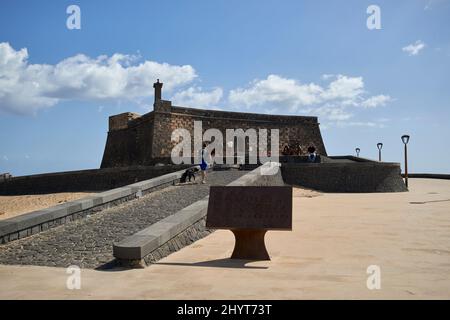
(121, 121)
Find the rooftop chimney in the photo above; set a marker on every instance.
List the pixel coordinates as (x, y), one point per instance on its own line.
(158, 88)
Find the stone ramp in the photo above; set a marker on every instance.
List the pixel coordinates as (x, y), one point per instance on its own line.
(88, 242)
(184, 227)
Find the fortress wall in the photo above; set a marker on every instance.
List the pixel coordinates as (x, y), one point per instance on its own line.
(83, 180)
(293, 129)
(121, 121)
(162, 132)
(131, 144)
(146, 140)
(354, 177)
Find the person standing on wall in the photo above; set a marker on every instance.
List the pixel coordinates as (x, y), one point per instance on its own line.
(205, 162)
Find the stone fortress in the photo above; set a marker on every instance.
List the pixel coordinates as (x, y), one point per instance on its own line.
(145, 140)
(135, 140)
(139, 148)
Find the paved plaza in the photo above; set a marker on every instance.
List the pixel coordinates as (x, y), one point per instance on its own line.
(335, 238)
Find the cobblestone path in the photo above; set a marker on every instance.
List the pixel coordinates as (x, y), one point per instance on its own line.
(88, 242)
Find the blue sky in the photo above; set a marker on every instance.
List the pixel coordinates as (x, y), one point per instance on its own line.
(59, 86)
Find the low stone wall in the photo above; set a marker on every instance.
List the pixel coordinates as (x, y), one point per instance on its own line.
(428, 176)
(345, 176)
(37, 221)
(184, 227)
(83, 180)
(193, 233)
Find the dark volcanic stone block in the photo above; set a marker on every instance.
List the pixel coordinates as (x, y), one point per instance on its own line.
(250, 207)
(345, 177)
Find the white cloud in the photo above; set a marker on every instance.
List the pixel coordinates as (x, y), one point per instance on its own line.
(277, 91)
(26, 88)
(360, 124)
(332, 102)
(376, 101)
(433, 3)
(333, 112)
(348, 88)
(414, 48)
(328, 76)
(196, 98)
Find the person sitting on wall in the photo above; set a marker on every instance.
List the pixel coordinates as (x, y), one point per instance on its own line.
(205, 162)
(312, 155)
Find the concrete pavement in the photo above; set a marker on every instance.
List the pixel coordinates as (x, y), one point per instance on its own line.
(335, 238)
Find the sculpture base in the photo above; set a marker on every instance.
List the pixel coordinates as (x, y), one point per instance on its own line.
(249, 244)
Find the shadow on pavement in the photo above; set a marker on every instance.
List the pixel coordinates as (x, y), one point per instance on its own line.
(218, 263)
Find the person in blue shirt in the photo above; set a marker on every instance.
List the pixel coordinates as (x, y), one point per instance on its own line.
(204, 163)
(312, 155)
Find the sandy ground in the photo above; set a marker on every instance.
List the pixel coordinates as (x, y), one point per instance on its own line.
(335, 238)
(306, 193)
(11, 206)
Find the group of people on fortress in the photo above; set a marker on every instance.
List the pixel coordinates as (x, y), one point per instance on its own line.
(294, 149)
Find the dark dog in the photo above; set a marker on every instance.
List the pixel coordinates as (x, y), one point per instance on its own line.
(188, 174)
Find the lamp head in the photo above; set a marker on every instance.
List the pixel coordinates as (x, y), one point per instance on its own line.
(405, 138)
(379, 145)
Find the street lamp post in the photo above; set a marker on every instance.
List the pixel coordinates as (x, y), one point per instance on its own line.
(379, 146)
(358, 150)
(405, 139)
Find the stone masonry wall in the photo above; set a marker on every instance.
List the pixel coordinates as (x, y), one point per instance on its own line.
(129, 145)
(83, 180)
(147, 140)
(345, 177)
(292, 129)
